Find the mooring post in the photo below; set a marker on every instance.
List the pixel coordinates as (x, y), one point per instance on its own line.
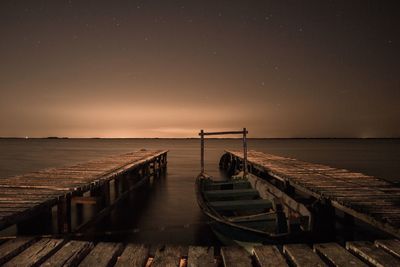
(155, 168)
(244, 152)
(165, 160)
(64, 214)
(106, 193)
(79, 208)
(116, 187)
(159, 165)
(202, 151)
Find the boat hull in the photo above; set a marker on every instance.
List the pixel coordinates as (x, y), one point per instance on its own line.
(228, 232)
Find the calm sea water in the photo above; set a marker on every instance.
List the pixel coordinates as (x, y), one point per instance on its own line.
(166, 211)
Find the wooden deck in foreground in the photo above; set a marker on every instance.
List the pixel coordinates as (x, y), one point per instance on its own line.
(28, 251)
(367, 198)
(25, 196)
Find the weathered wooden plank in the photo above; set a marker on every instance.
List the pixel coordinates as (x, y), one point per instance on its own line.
(14, 246)
(269, 256)
(390, 245)
(18, 191)
(169, 255)
(337, 255)
(302, 255)
(102, 255)
(235, 257)
(133, 256)
(70, 254)
(201, 257)
(372, 254)
(36, 253)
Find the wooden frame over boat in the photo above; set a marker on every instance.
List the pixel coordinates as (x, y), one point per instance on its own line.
(244, 132)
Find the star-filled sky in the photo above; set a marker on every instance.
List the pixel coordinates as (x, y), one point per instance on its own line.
(169, 68)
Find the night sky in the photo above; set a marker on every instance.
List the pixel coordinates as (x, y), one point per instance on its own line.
(169, 68)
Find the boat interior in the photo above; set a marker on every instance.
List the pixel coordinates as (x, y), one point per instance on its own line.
(237, 202)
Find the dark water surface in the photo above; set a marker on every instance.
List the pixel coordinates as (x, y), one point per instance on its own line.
(166, 211)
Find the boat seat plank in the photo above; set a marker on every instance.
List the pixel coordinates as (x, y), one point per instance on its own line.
(235, 257)
(391, 245)
(36, 253)
(302, 255)
(337, 255)
(70, 254)
(228, 185)
(133, 255)
(370, 253)
(104, 254)
(201, 256)
(241, 204)
(14, 246)
(231, 193)
(269, 256)
(167, 256)
(265, 216)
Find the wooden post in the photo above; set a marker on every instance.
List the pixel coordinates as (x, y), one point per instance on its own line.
(165, 161)
(147, 170)
(64, 214)
(155, 168)
(96, 192)
(159, 165)
(348, 226)
(79, 209)
(244, 152)
(124, 183)
(41, 222)
(106, 193)
(324, 220)
(202, 151)
(116, 187)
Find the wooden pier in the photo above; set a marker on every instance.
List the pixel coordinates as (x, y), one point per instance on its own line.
(324, 189)
(102, 182)
(29, 251)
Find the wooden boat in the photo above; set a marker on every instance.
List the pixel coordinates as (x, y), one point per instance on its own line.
(239, 213)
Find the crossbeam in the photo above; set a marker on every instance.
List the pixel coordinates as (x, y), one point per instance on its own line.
(224, 133)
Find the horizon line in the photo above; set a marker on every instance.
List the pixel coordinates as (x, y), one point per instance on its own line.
(65, 137)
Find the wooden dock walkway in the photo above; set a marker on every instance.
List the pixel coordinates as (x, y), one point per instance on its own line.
(47, 251)
(25, 196)
(367, 198)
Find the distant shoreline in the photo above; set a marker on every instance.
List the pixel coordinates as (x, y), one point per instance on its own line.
(189, 138)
